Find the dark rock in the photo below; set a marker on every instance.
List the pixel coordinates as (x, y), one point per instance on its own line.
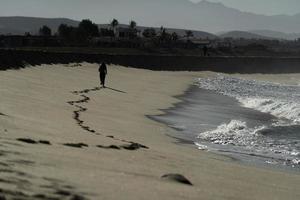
(27, 140)
(177, 178)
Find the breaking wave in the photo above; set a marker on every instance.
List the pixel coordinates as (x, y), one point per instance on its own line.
(255, 142)
(235, 132)
(278, 142)
(282, 101)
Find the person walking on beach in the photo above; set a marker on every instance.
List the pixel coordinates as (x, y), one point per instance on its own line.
(103, 72)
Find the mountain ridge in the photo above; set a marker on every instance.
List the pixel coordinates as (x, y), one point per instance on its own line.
(19, 25)
(276, 34)
(243, 34)
(180, 14)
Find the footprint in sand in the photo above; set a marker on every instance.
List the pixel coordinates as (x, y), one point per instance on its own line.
(76, 145)
(18, 180)
(2, 114)
(31, 141)
(177, 178)
(130, 147)
(76, 116)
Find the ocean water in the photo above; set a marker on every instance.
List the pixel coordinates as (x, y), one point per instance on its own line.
(255, 122)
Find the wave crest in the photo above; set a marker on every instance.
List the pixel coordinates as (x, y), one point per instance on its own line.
(281, 109)
(235, 132)
(281, 101)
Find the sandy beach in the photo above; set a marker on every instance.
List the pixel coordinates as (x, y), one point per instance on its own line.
(64, 137)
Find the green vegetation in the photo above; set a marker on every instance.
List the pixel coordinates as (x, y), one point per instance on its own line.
(88, 34)
(45, 31)
(120, 39)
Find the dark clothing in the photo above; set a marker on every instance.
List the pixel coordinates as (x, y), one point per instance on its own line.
(102, 68)
(103, 71)
(102, 79)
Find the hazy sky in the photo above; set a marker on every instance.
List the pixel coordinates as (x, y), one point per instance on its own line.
(267, 7)
(170, 13)
(78, 8)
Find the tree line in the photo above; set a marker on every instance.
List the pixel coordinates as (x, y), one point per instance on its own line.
(86, 30)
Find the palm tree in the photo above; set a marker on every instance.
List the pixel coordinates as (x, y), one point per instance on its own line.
(114, 23)
(162, 30)
(133, 30)
(149, 33)
(189, 34)
(175, 36)
(132, 24)
(45, 31)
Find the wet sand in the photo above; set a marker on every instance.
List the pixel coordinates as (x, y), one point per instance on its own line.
(64, 137)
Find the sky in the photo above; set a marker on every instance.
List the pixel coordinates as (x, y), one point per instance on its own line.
(169, 13)
(266, 7)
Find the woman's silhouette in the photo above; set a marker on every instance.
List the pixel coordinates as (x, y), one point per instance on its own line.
(103, 71)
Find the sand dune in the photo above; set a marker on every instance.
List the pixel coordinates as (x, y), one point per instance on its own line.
(64, 137)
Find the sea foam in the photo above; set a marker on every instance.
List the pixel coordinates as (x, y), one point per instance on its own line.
(278, 142)
(282, 101)
(235, 132)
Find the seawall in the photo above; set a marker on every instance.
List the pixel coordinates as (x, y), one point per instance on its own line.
(15, 59)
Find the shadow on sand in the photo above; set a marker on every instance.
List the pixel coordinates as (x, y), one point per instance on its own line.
(116, 90)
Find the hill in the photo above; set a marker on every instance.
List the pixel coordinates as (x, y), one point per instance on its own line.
(20, 25)
(181, 14)
(277, 34)
(242, 34)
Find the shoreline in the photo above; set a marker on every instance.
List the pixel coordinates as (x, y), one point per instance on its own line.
(184, 140)
(119, 117)
(181, 101)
